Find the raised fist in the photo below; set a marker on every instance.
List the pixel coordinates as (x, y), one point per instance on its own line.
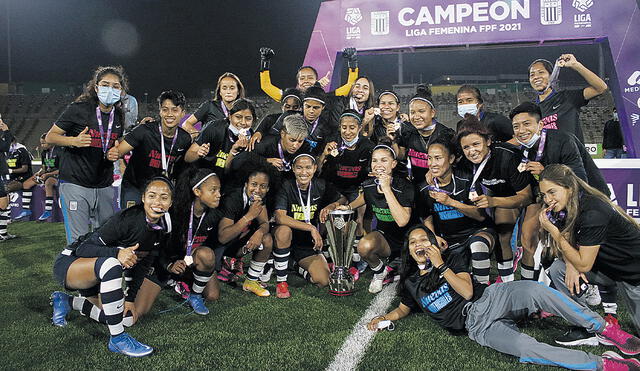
(265, 58)
(351, 55)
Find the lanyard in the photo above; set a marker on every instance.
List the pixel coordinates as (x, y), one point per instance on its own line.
(313, 128)
(306, 209)
(105, 145)
(166, 160)
(436, 186)
(287, 165)
(543, 140)
(190, 233)
(354, 106)
(225, 110)
(478, 170)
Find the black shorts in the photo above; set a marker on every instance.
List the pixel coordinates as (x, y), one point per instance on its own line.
(60, 269)
(300, 253)
(395, 244)
(350, 194)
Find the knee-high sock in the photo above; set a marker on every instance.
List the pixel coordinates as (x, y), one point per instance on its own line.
(505, 266)
(378, 271)
(480, 258)
(281, 263)
(305, 274)
(255, 270)
(608, 293)
(48, 204)
(109, 273)
(527, 272)
(200, 280)
(4, 220)
(26, 199)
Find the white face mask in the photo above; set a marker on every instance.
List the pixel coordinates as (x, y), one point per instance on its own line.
(350, 143)
(531, 141)
(108, 95)
(470, 108)
(615, 116)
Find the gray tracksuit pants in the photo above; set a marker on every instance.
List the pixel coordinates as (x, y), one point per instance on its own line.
(81, 205)
(491, 322)
(630, 293)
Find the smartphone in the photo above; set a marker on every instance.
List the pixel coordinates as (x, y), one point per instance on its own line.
(583, 287)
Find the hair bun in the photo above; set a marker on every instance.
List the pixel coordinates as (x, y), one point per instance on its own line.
(423, 91)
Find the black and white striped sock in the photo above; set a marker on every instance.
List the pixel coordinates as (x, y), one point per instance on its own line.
(255, 270)
(505, 270)
(48, 204)
(26, 199)
(480, 259)
(200, 280)
(305, 274)
(4, 221)
(109, 273)
(281, 263)
(526, 272)
(378, 270)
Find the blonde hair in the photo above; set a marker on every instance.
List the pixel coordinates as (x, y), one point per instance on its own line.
(563, 176)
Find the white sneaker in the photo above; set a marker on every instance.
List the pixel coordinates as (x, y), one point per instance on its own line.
(377, 282)
(593, 295)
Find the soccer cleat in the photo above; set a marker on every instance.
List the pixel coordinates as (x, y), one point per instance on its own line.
(23, 214)
(197, 303)
(612, 361)
(7, 236)
(517, 255)
(182, 289)
(61, 307)
(127, 345)
(282, 290)
(45, 215)
(267, 271)
(255, 287)
(612, 319)
(355, 273)
(577, 336)
(362, 265)
(377, 282)
(593, 295)
(614, 335)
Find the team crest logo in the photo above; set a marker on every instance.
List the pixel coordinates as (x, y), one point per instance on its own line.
(339, 222)
(550, 12)
(353, 16)
(380, 23)
(582, 5)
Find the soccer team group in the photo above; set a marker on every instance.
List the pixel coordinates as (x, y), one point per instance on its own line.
(201, 191)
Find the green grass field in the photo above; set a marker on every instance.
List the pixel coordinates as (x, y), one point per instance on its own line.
(242, 331)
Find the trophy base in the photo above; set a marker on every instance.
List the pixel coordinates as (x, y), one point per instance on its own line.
(341, 282)
(340, 293)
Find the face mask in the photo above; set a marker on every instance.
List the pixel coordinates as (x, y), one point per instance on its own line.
(531, 141)
(430, 127)
(238, 132)
(108, 95)
(470, 108)
(351, 143)
(615, 116)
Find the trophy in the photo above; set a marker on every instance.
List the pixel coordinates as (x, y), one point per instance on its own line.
(341, 230)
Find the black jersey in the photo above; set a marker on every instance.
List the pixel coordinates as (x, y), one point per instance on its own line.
(124, 229)
(404, 192)
(380, 131)
(18, 157)
(294, 203)
(270, 147)
(146, 157)
(612, 137)
(220, 139)
(417, 145)
(449, 222)
(204, 233)
(50, 159)
(5, 143)
(440, 301)
(500, 176)
(88, 166)
(598, 223)
(267, 123)
(561, 111)
(350, 168)
(234, 206)
(209, 112)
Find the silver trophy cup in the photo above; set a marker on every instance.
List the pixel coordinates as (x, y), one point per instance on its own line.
(341, 230)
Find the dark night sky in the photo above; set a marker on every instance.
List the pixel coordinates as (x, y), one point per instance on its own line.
(186, 45)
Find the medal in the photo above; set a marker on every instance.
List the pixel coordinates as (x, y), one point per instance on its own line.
(473, 195)
(376, 111)
(188, 260)
(334, 152)
(523, 166)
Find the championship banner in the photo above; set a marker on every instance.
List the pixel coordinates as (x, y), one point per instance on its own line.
(623, 179)
(377, 26)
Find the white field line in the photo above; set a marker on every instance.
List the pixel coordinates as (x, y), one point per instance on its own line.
(355, 345)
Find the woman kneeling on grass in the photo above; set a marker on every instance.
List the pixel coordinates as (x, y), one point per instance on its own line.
(438, 283)
(94, 265)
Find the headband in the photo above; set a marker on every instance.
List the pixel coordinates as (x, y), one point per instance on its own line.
(202, 180)
(349, 114)
(291, 96)
(389, 92)
(303, 155)
(385, 147)
(424, 100)
(316, 99)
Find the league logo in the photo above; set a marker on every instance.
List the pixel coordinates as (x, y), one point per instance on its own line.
(380, 23)
(582, 5)
(634, 79)
(550, 12)
(634, 118)
(353, 16)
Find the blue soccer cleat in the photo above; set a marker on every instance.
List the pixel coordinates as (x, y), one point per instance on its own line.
(61, 307)
(23, 214)
(127, 345)
(45, 215)
(197, 303)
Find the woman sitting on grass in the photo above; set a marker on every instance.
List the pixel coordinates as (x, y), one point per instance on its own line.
(438, 284)
(94, 265)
